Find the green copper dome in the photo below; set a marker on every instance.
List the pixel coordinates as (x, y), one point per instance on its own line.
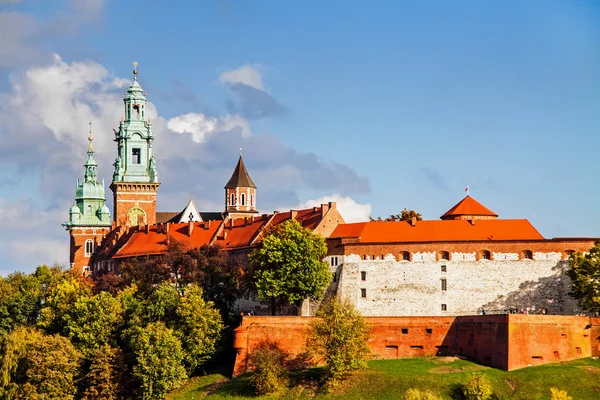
(90, 200)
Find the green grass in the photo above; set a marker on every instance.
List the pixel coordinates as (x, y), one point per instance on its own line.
(389, 379)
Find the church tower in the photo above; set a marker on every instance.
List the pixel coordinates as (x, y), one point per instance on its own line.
(240, 193)
(89, 217)
(135, 179)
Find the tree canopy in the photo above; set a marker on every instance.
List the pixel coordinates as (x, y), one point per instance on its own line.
(405, 215)
(585, 274)
(289, 265)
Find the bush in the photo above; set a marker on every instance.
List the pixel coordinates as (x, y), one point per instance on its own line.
(269, 372)
(558, 394)
(478, 387)
(416, 394)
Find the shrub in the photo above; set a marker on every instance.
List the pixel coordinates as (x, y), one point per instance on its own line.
(269, 371)
(477, 387)
(416, 394)
(558, 394)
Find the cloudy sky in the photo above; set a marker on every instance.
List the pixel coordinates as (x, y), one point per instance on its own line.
(378, 106)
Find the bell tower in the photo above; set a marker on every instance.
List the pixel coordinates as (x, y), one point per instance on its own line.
(89, 217)
(240, 193)
(135, 179)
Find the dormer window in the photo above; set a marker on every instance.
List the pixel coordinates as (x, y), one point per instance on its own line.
(485, 255)
(136, 156)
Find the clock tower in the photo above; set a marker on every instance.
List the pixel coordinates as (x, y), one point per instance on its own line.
(135, 179)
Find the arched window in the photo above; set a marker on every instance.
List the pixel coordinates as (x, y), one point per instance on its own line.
(444, 255)
(89, 247)
(527, 255)
(486, 255)
(232, 201)
(405, 256)
(243, 199)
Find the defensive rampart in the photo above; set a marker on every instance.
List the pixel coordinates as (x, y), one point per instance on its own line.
(508, 341)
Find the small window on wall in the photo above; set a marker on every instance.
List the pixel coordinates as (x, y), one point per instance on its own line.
(89, 247)
(444, 255)
(334, 261)
(444, 307)
(243, 199)
(363, 293)
(444, 284)
(136, 156)
(232, 200)
(405, 256)
(486, 255)
(363, 275)
(444, 268)
(251, 200)
(527, 255)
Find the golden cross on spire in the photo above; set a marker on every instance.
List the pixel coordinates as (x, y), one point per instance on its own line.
(90, 138)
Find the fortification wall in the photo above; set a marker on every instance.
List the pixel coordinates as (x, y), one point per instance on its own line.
(459, 286)
(507, 341)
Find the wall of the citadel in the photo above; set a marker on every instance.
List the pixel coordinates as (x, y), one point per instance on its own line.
(129, 195)
(78, 258)
(385, 286)
(506, 341)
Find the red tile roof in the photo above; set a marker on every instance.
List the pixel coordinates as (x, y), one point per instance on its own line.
(439, 231)
(468, 206)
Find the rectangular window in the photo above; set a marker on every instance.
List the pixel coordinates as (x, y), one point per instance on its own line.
(405, 331)
(428, 331)
(363, 275)
(406, 256)
(444, 307)
(136, 156)
(334, 261)
(444, 286)
(443, 268)
(363, 292)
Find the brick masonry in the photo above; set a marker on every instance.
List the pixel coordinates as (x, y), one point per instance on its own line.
(506, 341)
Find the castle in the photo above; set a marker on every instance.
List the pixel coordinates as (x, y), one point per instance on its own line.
(467, 262)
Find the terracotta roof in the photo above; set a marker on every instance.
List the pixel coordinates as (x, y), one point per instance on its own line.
(439, 231)
(468, 206)
(240, 177)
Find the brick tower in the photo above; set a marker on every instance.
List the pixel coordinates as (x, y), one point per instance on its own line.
(240, 193)
(135, 180)
(89, 217)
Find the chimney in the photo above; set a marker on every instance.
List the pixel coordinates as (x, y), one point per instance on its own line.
(413, 221)
(231, 223)
(293, 214)
(224, 235)
(158, 228)
(245, 221)
(147, 228)
(324, 209)
(206, 225)
(251, 220)
(190, 228)
(315, 209)
(332, 204)
(166, 229)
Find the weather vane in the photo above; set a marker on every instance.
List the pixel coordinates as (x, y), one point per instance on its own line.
(240, 151)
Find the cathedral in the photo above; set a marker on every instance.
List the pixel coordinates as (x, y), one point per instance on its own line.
(98, 242)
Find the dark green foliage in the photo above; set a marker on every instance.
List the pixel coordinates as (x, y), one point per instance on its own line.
(289, 265)
(269, 373)
(585, 274)
(339, 336)
(104, 375)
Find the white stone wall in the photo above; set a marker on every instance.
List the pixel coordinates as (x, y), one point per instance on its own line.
(396, 288)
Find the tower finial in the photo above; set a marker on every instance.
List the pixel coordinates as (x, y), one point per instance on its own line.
(135, 71)
(90, 139)
(240, 151)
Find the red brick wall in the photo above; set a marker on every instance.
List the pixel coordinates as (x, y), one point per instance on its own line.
(541, 339)
(77, 241)
(502, 341)
(595, 336)
(129, 195)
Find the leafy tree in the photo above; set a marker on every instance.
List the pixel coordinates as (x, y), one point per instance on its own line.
(109, 282)
(93, 321)
(159, 359)
(339, 335)
(477, 387)
(585, 274)
(20, 301)
(145, 273)
(269, 371)
(199, 327)
(35, 365)
(405, 215)
(102, 379)
(289, 265)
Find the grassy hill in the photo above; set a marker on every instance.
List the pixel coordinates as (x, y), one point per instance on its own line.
(389, 379)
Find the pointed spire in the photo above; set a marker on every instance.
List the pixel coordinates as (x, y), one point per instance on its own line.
(240, 177)
(90, 165)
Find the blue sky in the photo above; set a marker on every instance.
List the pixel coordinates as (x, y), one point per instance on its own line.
(380, 104)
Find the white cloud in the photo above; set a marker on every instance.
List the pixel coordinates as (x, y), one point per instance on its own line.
(350, 209)
(202, 127)
(246, 74)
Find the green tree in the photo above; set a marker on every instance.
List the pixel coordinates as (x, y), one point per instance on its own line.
(199, 327)
(477, 387)
(289, 265)
(93, 322)
(405, 215)
(585, 274)
(269, 374)
(35, 365)
(102, 379)
(159, 357)
(339, 336)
